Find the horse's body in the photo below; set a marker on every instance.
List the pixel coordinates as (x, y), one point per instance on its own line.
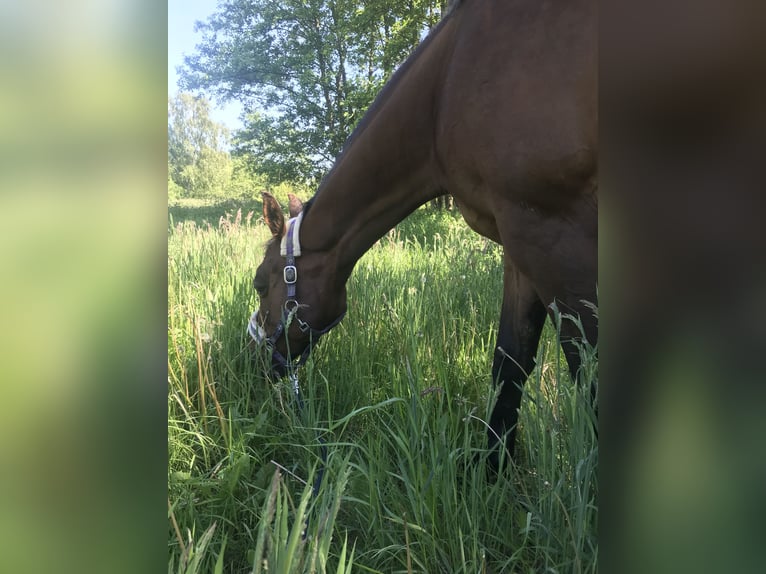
(497, 107)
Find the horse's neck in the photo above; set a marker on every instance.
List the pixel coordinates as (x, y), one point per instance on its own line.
(366, 197)
(387, 169)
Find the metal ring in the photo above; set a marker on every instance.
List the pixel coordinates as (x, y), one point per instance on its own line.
(291, 305)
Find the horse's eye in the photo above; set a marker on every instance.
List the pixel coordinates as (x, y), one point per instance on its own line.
(260, 288)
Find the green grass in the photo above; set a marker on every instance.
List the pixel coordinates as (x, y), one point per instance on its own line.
(399, 392)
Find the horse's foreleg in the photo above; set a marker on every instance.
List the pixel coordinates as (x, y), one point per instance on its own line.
(573, 335)
(575, 311)
(521, 321)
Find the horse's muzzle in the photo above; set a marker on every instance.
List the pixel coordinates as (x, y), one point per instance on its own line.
(260, 342)
(280, 363)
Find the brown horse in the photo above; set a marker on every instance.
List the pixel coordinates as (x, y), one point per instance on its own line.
(497, 107)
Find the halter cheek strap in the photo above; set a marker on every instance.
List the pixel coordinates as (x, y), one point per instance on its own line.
(290, 248)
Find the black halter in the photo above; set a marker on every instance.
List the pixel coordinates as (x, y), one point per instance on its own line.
(290, 308)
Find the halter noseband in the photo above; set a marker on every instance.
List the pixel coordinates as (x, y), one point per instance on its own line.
(290, 249)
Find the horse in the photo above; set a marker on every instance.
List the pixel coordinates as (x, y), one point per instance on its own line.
(497, 106)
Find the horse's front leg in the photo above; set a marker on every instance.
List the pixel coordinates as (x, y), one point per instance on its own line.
(521, 322)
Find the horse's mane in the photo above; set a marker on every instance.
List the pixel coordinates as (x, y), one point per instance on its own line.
(307, 205)
(382, 96)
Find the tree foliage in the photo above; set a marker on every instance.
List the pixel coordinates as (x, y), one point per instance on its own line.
(198, 163)
(307, 70)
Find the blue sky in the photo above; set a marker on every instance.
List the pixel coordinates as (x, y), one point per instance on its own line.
(181, 41)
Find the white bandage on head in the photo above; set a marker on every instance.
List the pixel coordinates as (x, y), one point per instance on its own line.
(295, 238)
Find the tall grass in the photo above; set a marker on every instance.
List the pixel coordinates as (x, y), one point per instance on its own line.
(399, 393)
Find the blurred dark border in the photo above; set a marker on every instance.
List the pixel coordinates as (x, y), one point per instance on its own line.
(682, 286)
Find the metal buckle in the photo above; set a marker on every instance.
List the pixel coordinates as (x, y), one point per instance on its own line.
(290, 274)
(302, 325)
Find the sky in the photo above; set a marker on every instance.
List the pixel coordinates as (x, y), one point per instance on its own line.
(181, 41)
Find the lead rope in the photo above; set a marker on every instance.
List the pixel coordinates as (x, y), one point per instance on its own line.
(323, 451)
(290, 274)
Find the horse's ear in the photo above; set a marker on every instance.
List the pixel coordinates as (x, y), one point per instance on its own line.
(295, 205)
(272, 214)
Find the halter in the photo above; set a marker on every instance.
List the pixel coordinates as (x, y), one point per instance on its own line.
(290, 249)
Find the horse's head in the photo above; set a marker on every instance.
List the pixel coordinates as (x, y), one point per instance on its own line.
(300, 298)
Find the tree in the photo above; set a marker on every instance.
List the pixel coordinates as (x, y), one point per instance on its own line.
(307, 68)
(198, 162)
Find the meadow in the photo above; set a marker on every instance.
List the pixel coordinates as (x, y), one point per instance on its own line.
(398, 393)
